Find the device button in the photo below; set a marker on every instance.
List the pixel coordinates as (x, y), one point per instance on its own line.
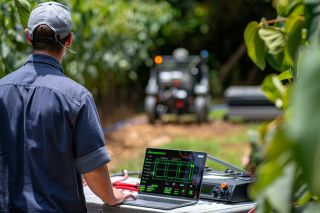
(224, 186)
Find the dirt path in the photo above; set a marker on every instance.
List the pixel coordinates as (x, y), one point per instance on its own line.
(131, 140)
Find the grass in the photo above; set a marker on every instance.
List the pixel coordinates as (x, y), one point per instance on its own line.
(230, 148)
(217, 114)
(213, 147)
(134, 164)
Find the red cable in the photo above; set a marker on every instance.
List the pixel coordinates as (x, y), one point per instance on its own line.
(252, 210)
(125, 186)
(120, 185)
(125, 177)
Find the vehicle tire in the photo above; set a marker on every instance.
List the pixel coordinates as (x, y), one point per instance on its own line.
(150, 104)
(201, 109)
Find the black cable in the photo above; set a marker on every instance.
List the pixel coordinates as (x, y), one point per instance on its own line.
(217, 160)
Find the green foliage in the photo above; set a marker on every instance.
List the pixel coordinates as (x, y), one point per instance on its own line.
(291, 144)
(11, 38)
(275, 91)
(307, 116)
(273, 38)
(282, 6)
(294, 37)
(23, 8)
(112, 39)
(276, 61)
(289, 7)
(193, 24)
(280, 41)
(276, 172)
(285, 75)
(255, 44)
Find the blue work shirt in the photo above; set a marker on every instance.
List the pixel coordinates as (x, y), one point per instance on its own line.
(50, 133)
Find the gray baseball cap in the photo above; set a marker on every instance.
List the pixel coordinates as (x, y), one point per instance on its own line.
(54, 15)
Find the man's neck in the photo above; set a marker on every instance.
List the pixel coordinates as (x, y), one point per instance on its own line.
(57, 56)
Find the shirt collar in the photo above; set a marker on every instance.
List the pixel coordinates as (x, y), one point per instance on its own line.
(45, 59)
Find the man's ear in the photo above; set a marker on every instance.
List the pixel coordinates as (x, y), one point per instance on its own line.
(26, 32)
(69, 40)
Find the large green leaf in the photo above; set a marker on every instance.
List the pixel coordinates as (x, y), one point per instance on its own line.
(282, 6)
(277, 61)
(285, 75)
(289, 7)
(305, 122)
(282, 201)
(275, 91)
(311, 2)
(23, 8)
(276, 153)
(278, 146)
(311, 207)
(255, 46)
(268, 172)
(297, 8)
(263, 205)
(294, 34)
(273, 38)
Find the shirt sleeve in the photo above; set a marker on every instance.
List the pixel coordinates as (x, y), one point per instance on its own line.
(89, 145)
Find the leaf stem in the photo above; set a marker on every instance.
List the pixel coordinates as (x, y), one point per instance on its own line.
(277, 20)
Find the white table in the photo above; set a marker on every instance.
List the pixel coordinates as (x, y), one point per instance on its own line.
(95, 205)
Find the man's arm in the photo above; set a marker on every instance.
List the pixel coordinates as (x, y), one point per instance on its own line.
(99, 182)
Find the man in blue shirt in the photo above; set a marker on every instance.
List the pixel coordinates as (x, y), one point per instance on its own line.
(50, 132)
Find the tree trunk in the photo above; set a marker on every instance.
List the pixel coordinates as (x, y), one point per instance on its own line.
(232, 61)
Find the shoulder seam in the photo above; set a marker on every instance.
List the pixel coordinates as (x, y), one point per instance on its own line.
(73, 100)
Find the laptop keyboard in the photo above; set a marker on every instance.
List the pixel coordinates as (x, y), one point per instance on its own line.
(163, 200)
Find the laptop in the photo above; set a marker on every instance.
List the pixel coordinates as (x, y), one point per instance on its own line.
(170, 179)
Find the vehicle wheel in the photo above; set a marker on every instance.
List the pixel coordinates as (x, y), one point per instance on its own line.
(150, 104)
(201, 109)
(226, 117)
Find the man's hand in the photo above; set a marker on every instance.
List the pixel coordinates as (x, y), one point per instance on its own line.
(121, 196)
(99, 182)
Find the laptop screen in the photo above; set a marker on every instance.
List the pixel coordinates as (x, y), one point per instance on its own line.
(172, 172)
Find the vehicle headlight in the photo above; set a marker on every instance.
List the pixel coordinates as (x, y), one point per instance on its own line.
(181, 94)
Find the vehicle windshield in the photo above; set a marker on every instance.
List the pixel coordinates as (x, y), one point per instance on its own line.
(173, 65)
(170, 64)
